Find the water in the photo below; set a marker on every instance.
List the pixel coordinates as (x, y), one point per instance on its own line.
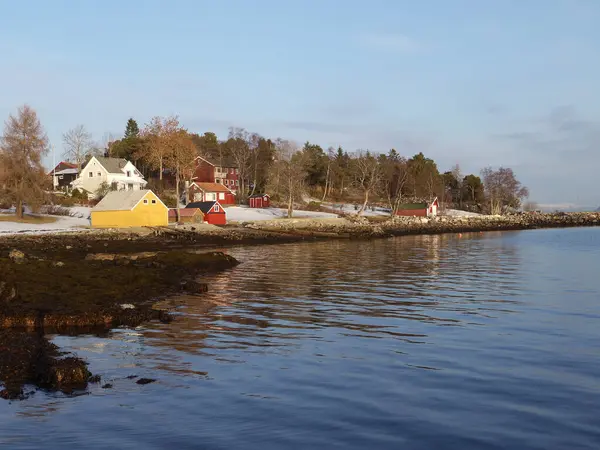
(485, 341)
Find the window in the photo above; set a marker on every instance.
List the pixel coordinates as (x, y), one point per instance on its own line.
(226, 181)
(237, 171)
(216, 208)
(91, 175)
(154, 202)
(128, 173)
(145, 201)
(60, 177)
(217, 180)
(130, 187)
(237, 183)
(99, 174)
(231, 170)
(221, 196)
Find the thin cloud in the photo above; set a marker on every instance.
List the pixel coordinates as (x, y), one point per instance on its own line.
(391, 42)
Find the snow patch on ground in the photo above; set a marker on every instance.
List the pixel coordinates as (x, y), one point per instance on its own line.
(246, 214)
(460, 213)
(348, 208)
(63, 223)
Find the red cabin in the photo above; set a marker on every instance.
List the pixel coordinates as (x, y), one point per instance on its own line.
(418, 209)
(210, 192)
(213, 212)
(259, 201)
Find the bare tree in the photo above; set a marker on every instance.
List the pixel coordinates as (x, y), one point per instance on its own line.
(367, 176)
(22, 147)
(502, 189)
(77, 144)
(170, 146)
(288, 173)
(330, 157)
(394, 179)
(155, 151)
(238, 147)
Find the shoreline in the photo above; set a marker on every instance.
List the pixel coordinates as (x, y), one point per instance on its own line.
(69, 283)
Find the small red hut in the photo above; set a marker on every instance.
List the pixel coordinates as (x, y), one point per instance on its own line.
(259, 201)
(418, 209)
(213, 212)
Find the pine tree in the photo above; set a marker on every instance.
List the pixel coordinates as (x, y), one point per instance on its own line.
(131, 130)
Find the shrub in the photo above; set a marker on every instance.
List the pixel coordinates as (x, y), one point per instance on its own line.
(313, 206)
(169, 200)
(55, 210)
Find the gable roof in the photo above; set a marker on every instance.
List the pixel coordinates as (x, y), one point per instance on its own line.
(122, 200)
(62, 166)
(112, 165)
(205, 207)
(211, 187)
(410, 206)
(259, 196)
(70, 171)
(185, 212)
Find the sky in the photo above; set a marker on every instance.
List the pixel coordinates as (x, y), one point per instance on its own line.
(510, 83)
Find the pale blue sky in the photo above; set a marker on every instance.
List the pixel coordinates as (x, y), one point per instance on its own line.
(474, 82)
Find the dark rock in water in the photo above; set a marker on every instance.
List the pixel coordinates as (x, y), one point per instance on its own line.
(131, 377)
(194, 287)
(107, 386)
(145, 381)
(94, 379)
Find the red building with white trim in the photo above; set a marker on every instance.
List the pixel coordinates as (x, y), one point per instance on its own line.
(208, 192)
(224, 172)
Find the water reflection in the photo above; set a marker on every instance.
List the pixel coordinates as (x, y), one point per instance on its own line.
(397, 288)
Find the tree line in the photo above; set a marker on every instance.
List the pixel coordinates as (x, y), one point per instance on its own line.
(290, 173)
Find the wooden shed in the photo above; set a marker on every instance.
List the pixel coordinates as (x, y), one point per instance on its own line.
(418, 209)
(124, 209)
(259, 201)
(186, 215)
(213, 212)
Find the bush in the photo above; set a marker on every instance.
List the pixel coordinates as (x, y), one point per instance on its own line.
(313, 206)
(169, 200)
(55, 210)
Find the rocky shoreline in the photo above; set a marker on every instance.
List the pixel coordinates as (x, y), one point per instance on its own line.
(68, 289)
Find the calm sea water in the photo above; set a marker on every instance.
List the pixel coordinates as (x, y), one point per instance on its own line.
(486, 341)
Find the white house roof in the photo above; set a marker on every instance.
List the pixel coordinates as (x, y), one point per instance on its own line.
(121, 200)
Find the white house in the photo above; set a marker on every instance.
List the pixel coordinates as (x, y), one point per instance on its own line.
(116, 172)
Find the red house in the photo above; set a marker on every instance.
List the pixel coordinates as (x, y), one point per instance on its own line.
(259, 201)
(213, 212)
(224, 172)
(210, 192)
(418, 209)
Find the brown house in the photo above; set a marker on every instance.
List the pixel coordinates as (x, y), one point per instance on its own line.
(224, 172)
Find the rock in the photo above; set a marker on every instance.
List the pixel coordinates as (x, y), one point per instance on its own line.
(107, 386)
(127, 306)
(8, 292)
(194, 287)
(58, 264)
(17, 256)
(94, 379)
(69, 247)
(145, 381)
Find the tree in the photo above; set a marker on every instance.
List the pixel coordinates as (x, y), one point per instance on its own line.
(132, 130)
(394, 178)
(237, 146)
(171, 147)
(155, 133)
(531, 206)
(367, 176)
(502, 189)
(77, 144)
(472, 190)
(22, 147)
(424, 177)
(287, 179)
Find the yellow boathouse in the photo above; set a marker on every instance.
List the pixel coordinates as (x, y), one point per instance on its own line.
(124, 209)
